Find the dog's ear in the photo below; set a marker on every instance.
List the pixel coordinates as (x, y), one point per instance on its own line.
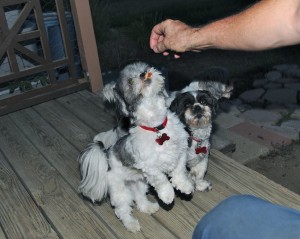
(108, 92)
(215, 105)
(175, 105)
(121, 104)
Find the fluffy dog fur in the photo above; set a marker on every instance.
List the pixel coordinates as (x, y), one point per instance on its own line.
(195, 110)
(136, 159)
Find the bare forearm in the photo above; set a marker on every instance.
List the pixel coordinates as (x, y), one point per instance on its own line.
(267, 24)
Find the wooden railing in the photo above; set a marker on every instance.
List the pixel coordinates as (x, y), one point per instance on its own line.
(44, 51)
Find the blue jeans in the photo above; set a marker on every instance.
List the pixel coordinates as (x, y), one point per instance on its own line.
(248, 217)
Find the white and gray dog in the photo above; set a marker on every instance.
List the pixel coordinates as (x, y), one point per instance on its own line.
(153, 150)
(195, 106)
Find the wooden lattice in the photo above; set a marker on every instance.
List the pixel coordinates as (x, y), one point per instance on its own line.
(42, 62)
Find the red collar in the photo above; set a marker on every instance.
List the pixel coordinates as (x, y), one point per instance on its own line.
(195, 139)
(198, 148)
(157, 128)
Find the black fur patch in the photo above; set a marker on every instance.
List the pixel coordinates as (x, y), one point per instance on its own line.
(181, 103)
(122, 154)
(186, 100)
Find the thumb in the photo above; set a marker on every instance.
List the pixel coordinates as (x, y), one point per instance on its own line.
(160, 47)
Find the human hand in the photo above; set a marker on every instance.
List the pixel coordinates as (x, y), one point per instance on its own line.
(170, 35)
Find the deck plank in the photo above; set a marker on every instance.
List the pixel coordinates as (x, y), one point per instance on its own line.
(63, 156)
(89, 113)
(97, 99)
(50, 191)
(2, 235)
(181, 218)
(20, 217)
(66, 123)
(247, 181)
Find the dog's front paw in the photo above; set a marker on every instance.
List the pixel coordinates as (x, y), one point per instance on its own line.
(132, 225)
(149, 207)
(183, 184)
(203, 185)
(166, 193)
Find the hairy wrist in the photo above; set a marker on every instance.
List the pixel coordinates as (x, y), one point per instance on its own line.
(199, 39)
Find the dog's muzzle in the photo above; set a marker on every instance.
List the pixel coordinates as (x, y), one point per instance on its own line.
(146, 76)
(197, 109)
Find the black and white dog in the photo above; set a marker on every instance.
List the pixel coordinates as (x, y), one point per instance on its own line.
(154, 149)
(195, 105)
(195, 109)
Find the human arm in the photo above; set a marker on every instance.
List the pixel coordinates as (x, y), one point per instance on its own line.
(267, 24)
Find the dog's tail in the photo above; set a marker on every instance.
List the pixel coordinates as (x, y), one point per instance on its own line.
(108, 138)
(108, 92)
(216, 80)
(94, 169)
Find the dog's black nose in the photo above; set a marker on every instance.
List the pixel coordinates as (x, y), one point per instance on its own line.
(197, 109)
(142, 75)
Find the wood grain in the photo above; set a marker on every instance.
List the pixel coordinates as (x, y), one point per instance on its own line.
(66, 123)
(19, 215)
(89, 113)
(246, 181)
(97, 99)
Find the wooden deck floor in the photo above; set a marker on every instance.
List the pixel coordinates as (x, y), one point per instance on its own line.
(39, 176)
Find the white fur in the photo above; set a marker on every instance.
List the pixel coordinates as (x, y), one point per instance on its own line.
(198, 162)
(158, 161)
(93, 172)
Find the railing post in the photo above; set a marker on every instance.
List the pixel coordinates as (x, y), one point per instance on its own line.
(87, 43)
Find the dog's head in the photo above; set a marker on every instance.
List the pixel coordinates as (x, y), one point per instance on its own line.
(195, 108)
(136, 81)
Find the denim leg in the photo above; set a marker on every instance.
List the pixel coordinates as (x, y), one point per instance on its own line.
(249, 217)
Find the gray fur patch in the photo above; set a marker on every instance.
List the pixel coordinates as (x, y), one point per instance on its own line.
(119, 149)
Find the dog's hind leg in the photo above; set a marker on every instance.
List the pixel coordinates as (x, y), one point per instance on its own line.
(121, 198)
(139, 190)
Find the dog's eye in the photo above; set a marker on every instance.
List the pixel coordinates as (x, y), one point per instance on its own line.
(186, 105)
(203, 102)
(142, 75)
(130, 81)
